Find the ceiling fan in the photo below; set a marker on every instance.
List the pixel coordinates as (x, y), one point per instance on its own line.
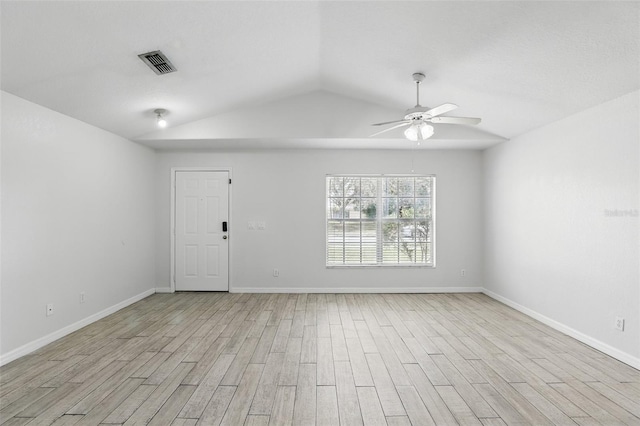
(418, 117)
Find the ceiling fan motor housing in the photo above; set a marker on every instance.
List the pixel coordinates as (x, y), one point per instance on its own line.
(415, 112)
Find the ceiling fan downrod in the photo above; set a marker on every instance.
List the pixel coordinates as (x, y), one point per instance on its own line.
(418, 77)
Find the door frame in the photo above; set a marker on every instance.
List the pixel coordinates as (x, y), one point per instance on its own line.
(172, 229)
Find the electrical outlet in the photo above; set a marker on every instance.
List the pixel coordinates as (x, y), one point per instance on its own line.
(49, 309)
(463, 272)
(82, 297)
(620, 323)
(276, 273)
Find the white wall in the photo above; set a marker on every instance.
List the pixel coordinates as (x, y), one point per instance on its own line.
(339, 122)
(77, 216)
(552, 245)
(286, 189)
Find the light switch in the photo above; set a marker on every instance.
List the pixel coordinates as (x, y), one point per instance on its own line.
(251, 225)
(262, 226)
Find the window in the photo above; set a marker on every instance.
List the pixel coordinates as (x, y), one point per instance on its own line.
(380, 220)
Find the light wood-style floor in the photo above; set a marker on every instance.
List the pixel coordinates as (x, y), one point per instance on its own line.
(324, 359)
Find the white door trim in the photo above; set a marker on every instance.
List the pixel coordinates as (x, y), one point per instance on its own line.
(172, 278)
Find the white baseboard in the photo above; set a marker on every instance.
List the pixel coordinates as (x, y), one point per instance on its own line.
(45, 340)
(164, 290)
(356, 290)
(588, 340)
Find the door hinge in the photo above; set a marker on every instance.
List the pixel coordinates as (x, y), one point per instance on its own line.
(229, 181)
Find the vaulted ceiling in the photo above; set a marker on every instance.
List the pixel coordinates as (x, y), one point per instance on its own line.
(316, 73)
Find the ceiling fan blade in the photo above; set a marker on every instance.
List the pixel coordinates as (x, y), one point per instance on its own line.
(390, 122)
(441, 109)
(455, 120)
(404, 123)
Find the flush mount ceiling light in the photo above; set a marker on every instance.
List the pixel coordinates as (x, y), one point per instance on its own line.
(160, 113)
(418, 117)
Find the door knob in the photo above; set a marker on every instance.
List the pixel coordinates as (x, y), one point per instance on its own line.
(224, 237)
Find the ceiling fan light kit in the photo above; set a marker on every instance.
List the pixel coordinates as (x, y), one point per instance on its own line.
(418, 117)
(417, 132)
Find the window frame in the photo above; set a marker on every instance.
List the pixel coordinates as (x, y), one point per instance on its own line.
(380, 220)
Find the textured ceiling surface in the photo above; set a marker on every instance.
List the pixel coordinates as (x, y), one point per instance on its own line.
(518, 65)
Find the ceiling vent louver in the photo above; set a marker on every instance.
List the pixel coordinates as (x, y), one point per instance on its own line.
(157, 62)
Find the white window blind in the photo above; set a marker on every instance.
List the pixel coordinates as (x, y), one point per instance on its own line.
(380, 220)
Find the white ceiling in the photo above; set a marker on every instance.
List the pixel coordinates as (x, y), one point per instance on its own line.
(518, 65)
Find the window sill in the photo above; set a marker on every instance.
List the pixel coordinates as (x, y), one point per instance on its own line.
(380, 266)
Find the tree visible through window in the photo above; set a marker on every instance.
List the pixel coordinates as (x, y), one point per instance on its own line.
(380, 220)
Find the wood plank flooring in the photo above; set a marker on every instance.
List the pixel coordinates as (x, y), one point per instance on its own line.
(318, 359)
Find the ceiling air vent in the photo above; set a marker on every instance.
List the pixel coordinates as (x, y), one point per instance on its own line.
(157, 62)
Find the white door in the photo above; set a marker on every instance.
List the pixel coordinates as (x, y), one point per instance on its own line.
(201, 237)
